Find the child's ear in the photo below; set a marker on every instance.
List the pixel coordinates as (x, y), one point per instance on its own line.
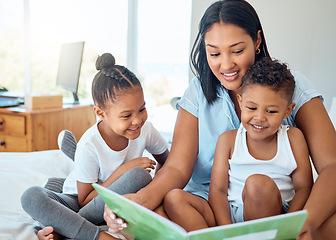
(99, 112)
(289, 109)
(239, 98)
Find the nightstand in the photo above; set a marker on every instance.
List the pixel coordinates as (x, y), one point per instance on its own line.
(25, 130)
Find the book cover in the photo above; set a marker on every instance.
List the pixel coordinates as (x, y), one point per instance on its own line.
(143, 223)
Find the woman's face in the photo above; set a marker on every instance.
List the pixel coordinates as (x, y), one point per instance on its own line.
(230, 51)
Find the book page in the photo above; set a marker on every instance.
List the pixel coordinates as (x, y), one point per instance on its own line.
(265, 235)
(284, 226)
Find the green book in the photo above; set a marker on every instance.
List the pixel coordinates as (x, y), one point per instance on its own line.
(143, 223)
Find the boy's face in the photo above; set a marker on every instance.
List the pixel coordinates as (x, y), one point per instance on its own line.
(262, 110)
(126, 115)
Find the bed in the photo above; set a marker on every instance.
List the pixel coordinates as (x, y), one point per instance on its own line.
(19, 171)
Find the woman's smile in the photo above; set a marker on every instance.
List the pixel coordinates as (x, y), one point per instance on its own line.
(230, 76)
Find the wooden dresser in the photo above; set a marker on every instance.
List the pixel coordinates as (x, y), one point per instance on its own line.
(25, 130)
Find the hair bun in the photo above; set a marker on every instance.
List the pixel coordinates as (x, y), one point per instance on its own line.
(105, 61)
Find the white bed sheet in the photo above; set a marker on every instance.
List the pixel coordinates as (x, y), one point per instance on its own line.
(19, 171)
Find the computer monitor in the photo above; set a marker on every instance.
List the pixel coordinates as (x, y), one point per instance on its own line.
(69, 67)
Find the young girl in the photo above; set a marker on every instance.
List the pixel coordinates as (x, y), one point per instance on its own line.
(263, 168)
(109, 153)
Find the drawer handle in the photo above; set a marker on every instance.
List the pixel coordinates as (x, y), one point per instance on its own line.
(2, 143)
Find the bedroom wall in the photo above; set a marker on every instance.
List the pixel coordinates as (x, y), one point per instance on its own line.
(301, 33)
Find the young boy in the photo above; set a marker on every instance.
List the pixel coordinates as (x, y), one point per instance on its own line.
(261, 169)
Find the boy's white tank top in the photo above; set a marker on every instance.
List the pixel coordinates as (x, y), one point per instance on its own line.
(242, 165)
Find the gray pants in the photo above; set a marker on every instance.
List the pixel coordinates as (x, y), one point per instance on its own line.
(60, 210)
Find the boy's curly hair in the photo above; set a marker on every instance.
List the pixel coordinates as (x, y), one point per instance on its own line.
(272, 73)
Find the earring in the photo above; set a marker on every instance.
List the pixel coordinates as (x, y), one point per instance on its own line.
(258, 51)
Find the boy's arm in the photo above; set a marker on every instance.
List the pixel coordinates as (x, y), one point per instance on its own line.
(218, 193)
(302, 175)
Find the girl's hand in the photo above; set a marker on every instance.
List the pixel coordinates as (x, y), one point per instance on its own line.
(143, 162)
(115, 224)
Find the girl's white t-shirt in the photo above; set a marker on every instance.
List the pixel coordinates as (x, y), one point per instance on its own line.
(95, 161)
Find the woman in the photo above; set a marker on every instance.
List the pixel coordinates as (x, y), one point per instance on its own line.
(229, 41)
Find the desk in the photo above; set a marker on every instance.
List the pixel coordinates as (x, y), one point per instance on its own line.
(25, 130)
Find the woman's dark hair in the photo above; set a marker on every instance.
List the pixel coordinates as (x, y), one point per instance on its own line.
(110, 79)
(271, 73)
(238, 12)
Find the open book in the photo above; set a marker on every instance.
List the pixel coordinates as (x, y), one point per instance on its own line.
(143, 223)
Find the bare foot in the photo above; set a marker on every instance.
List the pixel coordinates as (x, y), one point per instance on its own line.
(47, 233)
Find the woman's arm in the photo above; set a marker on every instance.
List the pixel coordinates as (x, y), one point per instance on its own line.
(218, 192)
(302, 175)
(314, 122)
(179, 165)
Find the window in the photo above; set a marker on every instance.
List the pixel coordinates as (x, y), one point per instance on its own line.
(102, 24)
(12, 45)
(161, 56)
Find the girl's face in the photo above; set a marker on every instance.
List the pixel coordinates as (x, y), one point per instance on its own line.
(230, 51)
(126, 115)
(262, 110)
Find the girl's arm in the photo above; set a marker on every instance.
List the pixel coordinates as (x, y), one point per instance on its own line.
(302, 175)
(313, 120)
(218, 192)
(161, 159)
(86, 192)
(179, 165)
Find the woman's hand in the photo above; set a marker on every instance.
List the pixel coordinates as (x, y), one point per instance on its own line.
(305, 234)
(115, 224)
